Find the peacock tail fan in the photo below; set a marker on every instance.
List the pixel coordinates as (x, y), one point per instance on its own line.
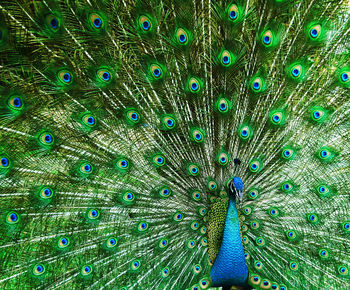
(174, 144)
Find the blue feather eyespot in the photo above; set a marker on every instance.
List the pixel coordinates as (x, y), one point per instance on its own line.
(204, 283)
(12, 218)
(297, 71)
(253, 193)
(163, 243)
(273, 212)
(204, 242)
(193, 169)
(104, 75)
(254, 225)
(247, 210)
(315, 31)
(86, 168)
(196, 195)
(128, 197)
(63, 242)
(197, 135)
(159, 160)
(255, 165)
(88, 120)
(168, 122)
(132, 116)
(233, 13)
(346, 226)
(223, 158)
(111, 243)
(202, 210)
(245, 132)
(135, 265)
(86, 270)
(178, 216)
(294, 266)
(65, 77)
(292, 235)
(39, 270)
(194, 225)
(46, 192)
(53, 22)
(212, 185)
(326, 154)
(227, 58)
(194, 85)
(343, 270)
(345, 77)
(46, 139)
(156, 71)
(15, 103)
(96, 21)
(164, 192)
(255, 279)
(145, 23)
(197, 269)
(277, 118)
(324, 254)
(287, 187)
(142, 226)
(182, 36)
(258, 265)
(165, 272)
(190, 244)
(4, 162)
(267, 38)
(312, 218)
(257, 84)
(93, 214)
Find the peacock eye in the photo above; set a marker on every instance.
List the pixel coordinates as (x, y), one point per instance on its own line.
(15, 102)
(233, 13)
(65, 77)
(145, 23)
(96, 20)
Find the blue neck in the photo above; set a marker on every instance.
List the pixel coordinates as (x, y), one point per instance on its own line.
(230, 267)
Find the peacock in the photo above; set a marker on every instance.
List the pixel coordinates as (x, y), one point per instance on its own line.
(174, 144)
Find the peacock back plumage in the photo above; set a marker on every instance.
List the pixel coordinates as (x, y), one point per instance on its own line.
(174, 144)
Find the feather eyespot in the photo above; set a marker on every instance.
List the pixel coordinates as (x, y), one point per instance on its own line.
(193, 169)
(15, 102)
(135, 265)
(145, 23)
(191, 244)
(53, 22)
(93, 214)
(165, 272)
(315, 31)
(182, 37)
(267, 38)
(233, 13)
(104, 75)
(86, 168)
(168, 122)
(65, 77)
(12, 218)
(4, 162)
(159, 160)
(96, 21)
(178, 216)
(38, 269)
(46, 139)
(86, 270)
(63, 242)
(46, 192)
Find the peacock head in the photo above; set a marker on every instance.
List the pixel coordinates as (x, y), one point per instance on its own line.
(236, 188)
